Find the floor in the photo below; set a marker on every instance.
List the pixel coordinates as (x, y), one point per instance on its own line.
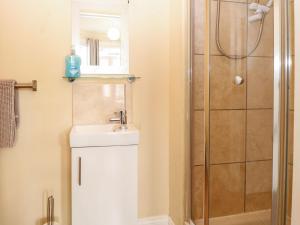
(253, 218)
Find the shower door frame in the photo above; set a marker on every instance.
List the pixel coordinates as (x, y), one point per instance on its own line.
(280, 110)
(282, 72)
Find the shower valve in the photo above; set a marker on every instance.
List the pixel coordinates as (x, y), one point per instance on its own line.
(238, 80)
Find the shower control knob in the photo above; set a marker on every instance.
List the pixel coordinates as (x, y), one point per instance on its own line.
(238, 80)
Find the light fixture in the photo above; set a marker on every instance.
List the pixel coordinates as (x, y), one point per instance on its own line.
(113, 34)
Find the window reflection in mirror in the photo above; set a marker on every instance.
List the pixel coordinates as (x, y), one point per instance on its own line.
(100, 36)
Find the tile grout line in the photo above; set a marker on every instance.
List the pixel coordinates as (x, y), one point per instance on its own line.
(246, 117)
(248, 109)
(226, 163)
(246, 114)
(192, 108)
(251, 56)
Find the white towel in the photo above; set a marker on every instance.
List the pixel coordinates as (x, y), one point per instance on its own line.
(8, 113)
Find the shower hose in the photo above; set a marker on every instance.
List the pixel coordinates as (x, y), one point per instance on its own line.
(219, 46)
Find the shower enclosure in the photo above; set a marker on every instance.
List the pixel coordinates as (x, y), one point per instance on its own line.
(241, 112)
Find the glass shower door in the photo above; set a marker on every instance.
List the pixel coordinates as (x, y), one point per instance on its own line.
(242, 127)
(233, 112)
(241, 114)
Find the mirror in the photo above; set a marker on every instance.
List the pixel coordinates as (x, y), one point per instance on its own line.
(100, 35)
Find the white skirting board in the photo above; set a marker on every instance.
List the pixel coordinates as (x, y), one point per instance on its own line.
(157, 220)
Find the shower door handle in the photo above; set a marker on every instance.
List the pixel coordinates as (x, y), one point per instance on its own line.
(79, 171)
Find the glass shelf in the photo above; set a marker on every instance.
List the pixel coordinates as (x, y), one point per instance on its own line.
(131, 78)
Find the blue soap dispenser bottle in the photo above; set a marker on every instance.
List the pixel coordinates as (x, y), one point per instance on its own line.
(73, 63)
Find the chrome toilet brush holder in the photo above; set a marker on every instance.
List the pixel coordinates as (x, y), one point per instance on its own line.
(50, 211)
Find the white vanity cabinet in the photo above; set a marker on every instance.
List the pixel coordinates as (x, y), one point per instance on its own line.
(104, 180)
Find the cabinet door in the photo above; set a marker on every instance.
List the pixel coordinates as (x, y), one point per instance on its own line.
(104, 186)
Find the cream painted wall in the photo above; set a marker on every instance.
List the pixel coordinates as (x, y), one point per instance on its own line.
(179, 99)
(34, 38)
(149, 58)
(296, 182)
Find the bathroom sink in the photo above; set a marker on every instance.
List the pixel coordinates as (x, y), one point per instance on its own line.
(102, 135)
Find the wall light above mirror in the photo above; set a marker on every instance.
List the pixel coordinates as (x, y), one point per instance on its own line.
(100, 36)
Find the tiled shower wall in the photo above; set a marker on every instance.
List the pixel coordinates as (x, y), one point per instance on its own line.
(241, 123)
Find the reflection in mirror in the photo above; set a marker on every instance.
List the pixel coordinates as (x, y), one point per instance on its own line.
(100, 36)
(100, 43)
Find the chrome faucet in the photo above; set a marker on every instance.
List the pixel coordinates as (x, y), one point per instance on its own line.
(122, 118)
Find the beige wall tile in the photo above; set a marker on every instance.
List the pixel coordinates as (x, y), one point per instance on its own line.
(260, 82)
(233, 28)
(227, 183)
(292, 27)
(198, 24)
(197, 192)
(261, 1)
(292, 84)
(289, 190)
(198, 138)
(258, 185)
(236, 1)
(227, 136)
(259, 134)
(266, 45)
(95, 103)
(198, 82)
(224, 93)
(291, 137)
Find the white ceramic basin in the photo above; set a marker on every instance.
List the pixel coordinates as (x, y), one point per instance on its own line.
(102, 135)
